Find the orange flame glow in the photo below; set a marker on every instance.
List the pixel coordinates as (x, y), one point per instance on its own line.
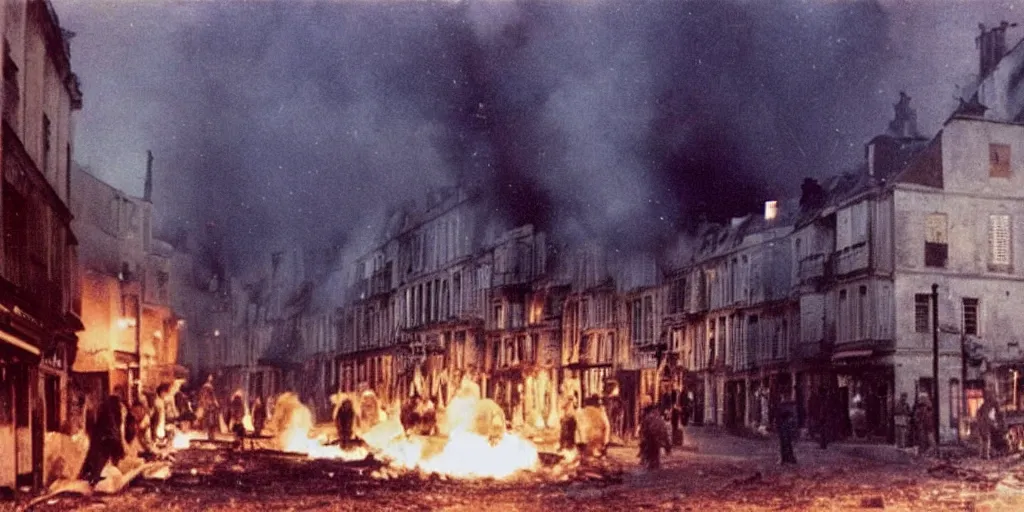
(477, 443)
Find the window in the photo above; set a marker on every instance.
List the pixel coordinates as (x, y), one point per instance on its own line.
(648, 319)
(999, 242)
(935, 245)
(862, 313)
(999, 160)
(922, 307)
(841, 319)
(954, 402)
(970, 316)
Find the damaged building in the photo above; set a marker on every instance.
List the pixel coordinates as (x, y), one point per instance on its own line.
(825, 293)
(40, 310)
(131, 331)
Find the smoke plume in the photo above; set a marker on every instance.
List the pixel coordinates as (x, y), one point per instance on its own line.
(625, 122)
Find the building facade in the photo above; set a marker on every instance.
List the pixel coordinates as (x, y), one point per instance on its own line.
(130, 340)
(39, 297)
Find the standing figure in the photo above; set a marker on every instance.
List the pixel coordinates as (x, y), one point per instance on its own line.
(567, 437)
(160, 417)
(106, 439)
(901, 419)
(209, 409)
(988, 424)
(786, 422)
(677, 416)
(344, 422)
(593, 430)
(259, 415)
(236, 417)
(654, 437)
(923, 423)
(828, 415)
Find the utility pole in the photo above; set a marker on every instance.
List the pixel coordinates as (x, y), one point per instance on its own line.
(935, 365)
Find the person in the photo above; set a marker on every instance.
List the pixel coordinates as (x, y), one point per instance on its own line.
(236, 417)
(567, 436)
(687, 408)
(923, 423)
(160, 418)
(345, 421)
(654, 437)
(786, 422)
(106, 439)
(901, 419)
(139, 419)
(593, 430)
(209, 408)
(259, 415)
(677, 412)
(988, 424)
(829, 415)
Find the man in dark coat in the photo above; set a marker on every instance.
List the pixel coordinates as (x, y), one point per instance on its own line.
(259, 415)
(786, 422)
(209, 408)
(923, 423)
(106, 439)
(654, 437)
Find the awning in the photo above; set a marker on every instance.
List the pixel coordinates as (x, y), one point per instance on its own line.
(15, 341)
(852, 354)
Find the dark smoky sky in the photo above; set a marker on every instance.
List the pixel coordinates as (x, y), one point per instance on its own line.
(299, 122)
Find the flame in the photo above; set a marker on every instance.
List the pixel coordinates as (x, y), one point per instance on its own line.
(477, 444)
(294, 423)
(183, 440)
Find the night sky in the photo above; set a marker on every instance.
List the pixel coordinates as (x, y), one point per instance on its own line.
(621, 121)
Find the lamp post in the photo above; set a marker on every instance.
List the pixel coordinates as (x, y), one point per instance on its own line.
(935, 365)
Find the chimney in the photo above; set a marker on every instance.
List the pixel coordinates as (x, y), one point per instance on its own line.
(992, 46)
(812, 195)
(771, 210)
(904, 122)
(147, 193)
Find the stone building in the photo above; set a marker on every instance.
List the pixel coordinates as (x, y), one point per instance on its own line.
(39, 297)
(131, 332)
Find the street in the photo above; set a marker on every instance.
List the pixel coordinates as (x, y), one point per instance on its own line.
(724, 473)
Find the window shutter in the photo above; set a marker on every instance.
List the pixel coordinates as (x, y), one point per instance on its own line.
(999, 239)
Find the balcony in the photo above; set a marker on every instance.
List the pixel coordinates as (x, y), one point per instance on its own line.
(852, 259)
(811, 268)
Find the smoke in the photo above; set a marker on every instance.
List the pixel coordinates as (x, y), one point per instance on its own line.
(625, 122)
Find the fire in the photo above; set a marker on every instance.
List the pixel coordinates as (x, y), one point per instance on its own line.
(477, 444)
(293, 423)
(182, 440)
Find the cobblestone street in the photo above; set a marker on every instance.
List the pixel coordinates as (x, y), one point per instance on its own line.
(724, 473)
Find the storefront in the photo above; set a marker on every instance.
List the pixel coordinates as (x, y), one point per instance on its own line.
(866, 388)
(20, 414)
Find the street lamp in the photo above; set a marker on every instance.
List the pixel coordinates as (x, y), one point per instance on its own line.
(935, 365)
